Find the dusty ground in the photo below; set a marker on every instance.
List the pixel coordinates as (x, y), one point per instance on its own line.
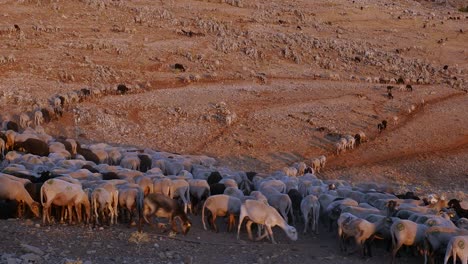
(291, 77)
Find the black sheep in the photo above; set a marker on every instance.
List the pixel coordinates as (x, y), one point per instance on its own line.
(408, 195)
(12, 126)
(217, 188)
(409, 88)
(33, 146)
(296, 199)
(384, 123)
(110, 176)
(251, 175)
(88, 154)
(214, 177)
(145, 162)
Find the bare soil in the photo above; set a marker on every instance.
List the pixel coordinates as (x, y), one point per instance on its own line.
(267, 83)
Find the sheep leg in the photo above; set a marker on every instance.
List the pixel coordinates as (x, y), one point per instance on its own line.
(306, 221)
(232, 222)
(249, 229)
(270, 233)
(213, 222)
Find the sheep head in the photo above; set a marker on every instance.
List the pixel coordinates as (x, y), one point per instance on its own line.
(291, 232)
(35, 209)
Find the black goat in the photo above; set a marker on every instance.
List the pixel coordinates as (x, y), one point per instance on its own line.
(455, 204)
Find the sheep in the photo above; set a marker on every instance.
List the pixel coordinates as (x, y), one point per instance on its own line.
(280, 201)
(437, 238)
(101, 200)
(310, 208)
(165, 207)
(145, 183)
(275, 184)
(130, 199)
(341, 146)
(62, 193)
(262, 214)
(351, 141)
(457, 247)
(316, 165)
(199, 191)
(221, 205)
(214, 177)
(360, 138)
(234, 192)
(259, 197)
(296, 199)
(363, 232)
(229, 183)
(24, 120)
(180, 188)
(300, 167)
(38, 118)
(380, 127)
(11, 189)
(323, 161)
(33, 146)
(406, 232)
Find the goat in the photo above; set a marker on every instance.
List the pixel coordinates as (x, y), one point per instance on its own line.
(159, 205)
(262, 214)
(455, 204)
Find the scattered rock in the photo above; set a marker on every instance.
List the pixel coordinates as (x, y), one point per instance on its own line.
(32, 249)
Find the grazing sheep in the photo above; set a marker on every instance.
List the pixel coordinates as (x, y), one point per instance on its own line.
(389, 95)
(11, 189)
(409, 88)
(363, 232)
(101, 204)
(162, 206)
(131, 198)
(310, 208)
(199, 192)
(380, 128)
(340, 147)
(457, 247)
(221, 205)
(274, 184)
(323, 161)
(62, 193)
(262, 214)
(181, 189)
(300, 167)
(280, 201)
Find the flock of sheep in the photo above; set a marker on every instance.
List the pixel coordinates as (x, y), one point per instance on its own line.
(99, 183)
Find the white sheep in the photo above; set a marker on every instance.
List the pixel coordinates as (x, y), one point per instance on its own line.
(102, 201)
(262, 214)
(351, 141)
(406, 232)
(323, 161)
(234, 192)
(180, 188)
(199, 190)
(38, 118)
(310, 208)
(457, 247)
(24, 120)
(316, 165)
(282, 202)
(436, 238)
(221, 205)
